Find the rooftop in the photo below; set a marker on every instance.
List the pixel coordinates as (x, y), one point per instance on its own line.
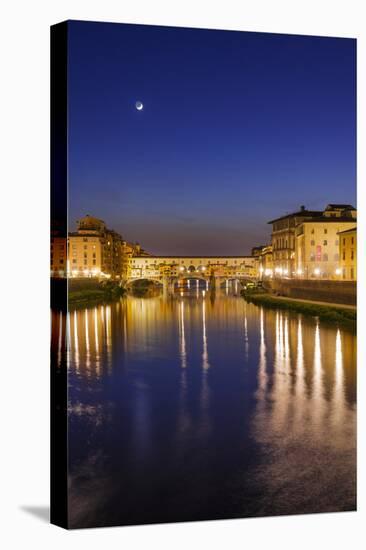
(328, 219)
(340, 207)
(352, 230)
(302, 212)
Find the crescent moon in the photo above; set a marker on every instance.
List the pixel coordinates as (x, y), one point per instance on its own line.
(139, 106)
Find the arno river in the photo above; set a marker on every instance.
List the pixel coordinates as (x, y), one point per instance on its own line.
(202, 406)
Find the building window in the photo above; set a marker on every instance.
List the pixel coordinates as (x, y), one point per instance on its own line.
(352, 254)
(344, 242)
(325, 243)
(312, 257)
(344, 255)
(312, 243)
(61, 261)
(312, 231)
(325, 231)
(85, 240)
(74, 261)
(94, 262)
(352, 240)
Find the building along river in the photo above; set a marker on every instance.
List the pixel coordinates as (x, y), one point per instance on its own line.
(201, 406)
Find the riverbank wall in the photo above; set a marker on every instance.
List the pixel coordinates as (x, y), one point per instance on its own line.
(337, 292)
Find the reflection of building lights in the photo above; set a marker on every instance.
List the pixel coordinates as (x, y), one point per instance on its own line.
(261, 270)
(285, 271)
(299, 271)
(338, 271)
(75, 272)
(316, 271)
(268, 272)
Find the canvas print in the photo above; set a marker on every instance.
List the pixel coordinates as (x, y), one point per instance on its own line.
(203, 274)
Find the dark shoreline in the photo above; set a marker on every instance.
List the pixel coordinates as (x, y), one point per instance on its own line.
(344, 317)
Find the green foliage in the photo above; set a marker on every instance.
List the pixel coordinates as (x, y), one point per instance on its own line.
(105, 291)
(345, 317)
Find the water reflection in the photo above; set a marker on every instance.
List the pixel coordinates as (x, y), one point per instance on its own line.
(167, 407)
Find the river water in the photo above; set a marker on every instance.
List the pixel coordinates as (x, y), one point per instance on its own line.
(202, 406)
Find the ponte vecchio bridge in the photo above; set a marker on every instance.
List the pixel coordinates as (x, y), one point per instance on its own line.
(169, 270)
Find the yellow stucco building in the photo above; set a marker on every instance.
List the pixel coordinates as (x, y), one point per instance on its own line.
(317, 245)
(348, 254)
(58, 256)
(96, 251)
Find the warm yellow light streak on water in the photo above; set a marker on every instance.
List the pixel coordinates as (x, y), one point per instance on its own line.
(205, 362)
(76, 342)
(59, 353)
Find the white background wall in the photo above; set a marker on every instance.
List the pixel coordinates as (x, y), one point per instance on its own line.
(24, 383)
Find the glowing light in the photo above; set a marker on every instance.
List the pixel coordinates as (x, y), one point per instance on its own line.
(299, 271)
(268, 272)
(338, 271)
(205, 362)
(285, 271)
(203, 268)
(316, 271)
(182, 340)
(181, 268)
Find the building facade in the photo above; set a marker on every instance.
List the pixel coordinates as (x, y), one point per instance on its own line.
(265, 263)
(348, 254)
(305, 243)
(58, 257)
(94, 250)
(318, 244)
(284, 241)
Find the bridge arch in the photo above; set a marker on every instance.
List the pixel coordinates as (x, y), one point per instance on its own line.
(132, 281)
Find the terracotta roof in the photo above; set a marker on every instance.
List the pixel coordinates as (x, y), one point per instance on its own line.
(340, 207)
(299, 213)
(326, 219)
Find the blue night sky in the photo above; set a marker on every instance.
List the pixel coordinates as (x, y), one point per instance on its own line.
(237, 128)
